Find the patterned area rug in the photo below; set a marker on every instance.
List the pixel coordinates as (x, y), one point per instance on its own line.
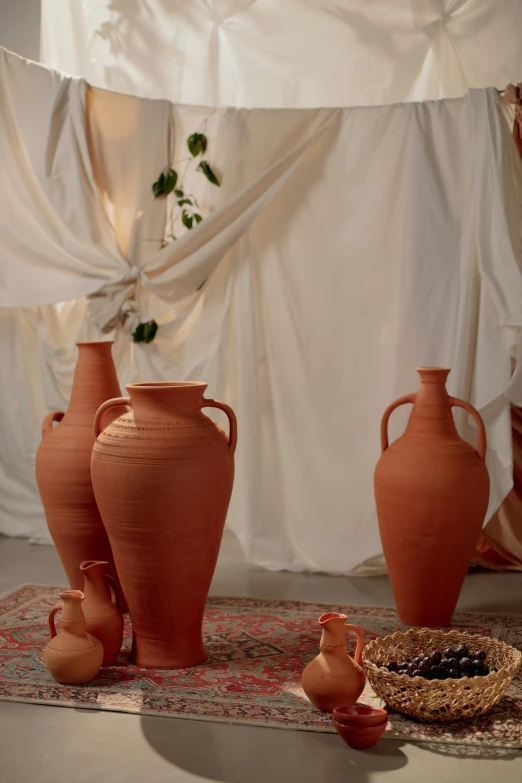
(257, 651)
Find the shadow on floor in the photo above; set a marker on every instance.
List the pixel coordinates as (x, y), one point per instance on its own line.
(471, 751)
(237, 754)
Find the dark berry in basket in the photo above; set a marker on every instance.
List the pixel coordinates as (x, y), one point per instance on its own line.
(435, 658)
(480, 655)
(462, 651)
(465, 663)
(411, 668)
(445, 663)
(417, 673)
(424, 667)
(393, 666)
(402, 671)
(417, 660)
(455, 674)
(436, 672)
(449, 653)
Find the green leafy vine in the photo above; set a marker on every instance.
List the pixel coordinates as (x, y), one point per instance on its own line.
(186, 206)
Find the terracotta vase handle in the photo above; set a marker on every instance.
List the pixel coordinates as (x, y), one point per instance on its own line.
(386, 417)
(52, 627)
(360, 641)
(232, 438)
(105, 406)
(482, 444)
(47, 423)
(113, 588)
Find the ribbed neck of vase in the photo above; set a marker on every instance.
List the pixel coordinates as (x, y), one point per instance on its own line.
(164, 400)
(95, 378)
(432, 411)
(333, 637)
(72, 617)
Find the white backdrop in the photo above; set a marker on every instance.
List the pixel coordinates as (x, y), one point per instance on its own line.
(288, 53)
(344, 248)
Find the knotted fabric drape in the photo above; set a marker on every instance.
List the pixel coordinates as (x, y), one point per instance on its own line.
(344, 248)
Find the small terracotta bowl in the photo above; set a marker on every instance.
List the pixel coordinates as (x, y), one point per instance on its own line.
(359, 715)
(360, 738)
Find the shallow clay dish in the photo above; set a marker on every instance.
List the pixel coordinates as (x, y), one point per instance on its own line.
(360, 738)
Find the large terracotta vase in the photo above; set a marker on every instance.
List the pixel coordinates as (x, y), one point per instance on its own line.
(162, 475)
(73, 656)
(432, 492)
(63, 465)
(103, 619)
(333, 679)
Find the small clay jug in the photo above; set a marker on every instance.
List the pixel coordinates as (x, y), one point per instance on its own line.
(103, 618)
(73, 656)
(333, 679)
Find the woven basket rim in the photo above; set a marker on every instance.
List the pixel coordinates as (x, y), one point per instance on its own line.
(413, 634)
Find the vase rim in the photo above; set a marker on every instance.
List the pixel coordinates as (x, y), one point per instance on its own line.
(167, 385)
(434, 369)
(90, 563)
(94, 342)
(72, 594)
(328, 616)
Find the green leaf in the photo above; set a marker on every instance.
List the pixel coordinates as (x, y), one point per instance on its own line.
(186, 219)
(170, 181)
(204, 166)
(179, 193)
(184, 201)
(197, 144)
(158, 187)
(145, 333)
(197, 217)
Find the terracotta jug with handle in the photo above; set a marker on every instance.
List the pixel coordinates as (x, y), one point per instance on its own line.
(73, 656)
(103, 618)
(333, 679)
(431, 492)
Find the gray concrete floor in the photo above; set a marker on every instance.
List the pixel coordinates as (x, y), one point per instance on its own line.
(40, 743)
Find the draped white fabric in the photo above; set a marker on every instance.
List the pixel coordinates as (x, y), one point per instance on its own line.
(344, 248)
(287, 54)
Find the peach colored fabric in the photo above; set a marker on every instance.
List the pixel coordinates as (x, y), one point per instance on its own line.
(500, 543)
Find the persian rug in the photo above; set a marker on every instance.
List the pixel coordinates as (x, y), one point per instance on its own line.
(257, 651)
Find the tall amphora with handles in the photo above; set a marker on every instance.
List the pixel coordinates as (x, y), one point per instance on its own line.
(432, 493)
(162, 476)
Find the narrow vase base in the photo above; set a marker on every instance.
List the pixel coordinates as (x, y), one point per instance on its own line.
(179, 654)
(423, 620)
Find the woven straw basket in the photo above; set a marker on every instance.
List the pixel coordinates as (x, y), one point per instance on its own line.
(439, 700)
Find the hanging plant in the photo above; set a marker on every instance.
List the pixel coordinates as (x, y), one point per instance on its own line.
(186, 208)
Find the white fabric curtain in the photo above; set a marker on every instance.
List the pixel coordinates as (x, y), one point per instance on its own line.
(287, 54)
(344, 248)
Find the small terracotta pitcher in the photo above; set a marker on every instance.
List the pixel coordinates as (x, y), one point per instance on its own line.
(73, 656)
(333, 679)
(103, 618)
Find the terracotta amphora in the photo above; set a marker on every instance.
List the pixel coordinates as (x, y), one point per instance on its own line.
(73, 656)
(63, 464)
(103, 619)
(333, 679)
(162, 475)
(432, 492)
